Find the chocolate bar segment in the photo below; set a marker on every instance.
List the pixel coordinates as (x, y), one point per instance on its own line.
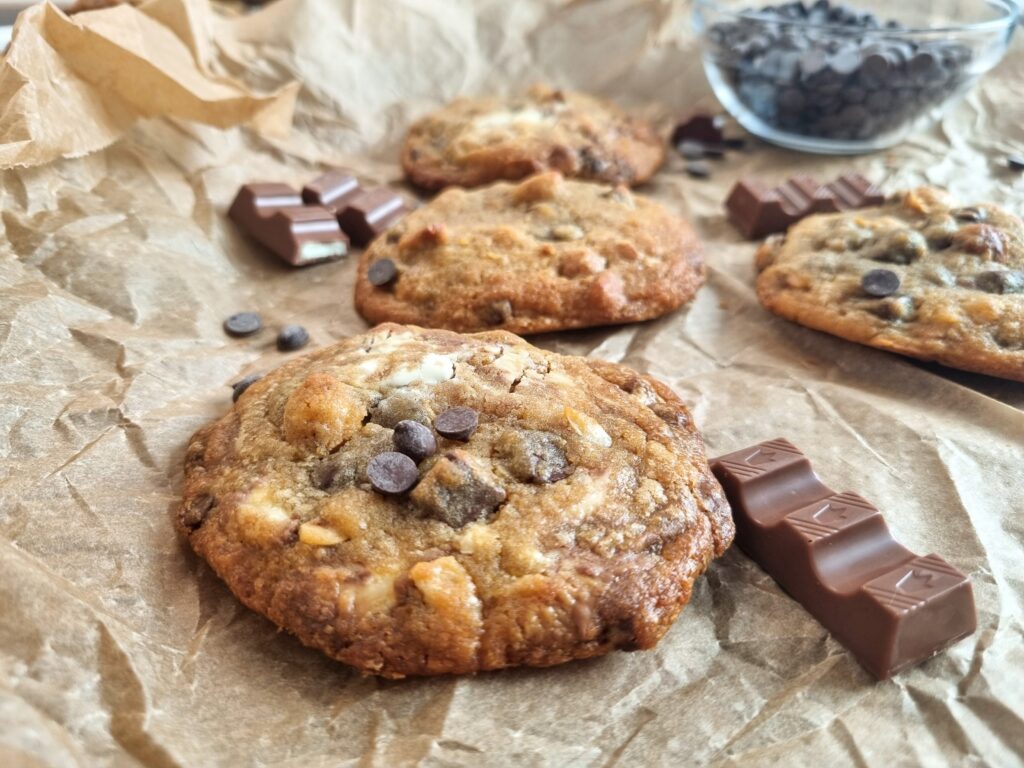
(332, 189)
(370, 212)
(275, 215)
(834, 554)
(758, 210)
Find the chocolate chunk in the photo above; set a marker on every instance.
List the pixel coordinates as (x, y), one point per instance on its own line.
(497, 312)
(902, 247)
(369, 212)
(458, 423)
(243, 384)
(392, 473)
(706, 129)
(414, 440)
(458, 489)
(533, 456)
(833, 553)
(292, 337)
(276, 216)
(194, 514)
(1000, 281)
(698, 169)
(332, 189)
(399, 406)
(880, 283)
(243, 324)
(382, 272)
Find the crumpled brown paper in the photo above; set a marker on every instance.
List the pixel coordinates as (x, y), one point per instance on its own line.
(71, 86)
(119, 647)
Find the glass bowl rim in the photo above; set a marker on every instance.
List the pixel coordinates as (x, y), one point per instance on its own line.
(1011, 15)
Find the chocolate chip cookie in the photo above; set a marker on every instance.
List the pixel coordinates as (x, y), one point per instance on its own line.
(920, 276)
(417, 502)
(543, 254)
(476, 141)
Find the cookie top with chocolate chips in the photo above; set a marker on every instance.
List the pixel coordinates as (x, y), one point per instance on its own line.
(543, 254)
(920, 276)
(476, 141)
(559, 507)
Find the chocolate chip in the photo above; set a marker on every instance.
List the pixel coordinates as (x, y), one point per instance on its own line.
(896, 308)
(702, 128)
(243, 384)
(194, 513)
(880, 283)
(691, 150)
(1015, 162)
(1000, 281)
(414, 440)
(382, 272)
(457, 423)
(292, 337)
(698, 169)
(243, 324)
(734, 142)
(392, 473)
(972, 214)
(902, 247)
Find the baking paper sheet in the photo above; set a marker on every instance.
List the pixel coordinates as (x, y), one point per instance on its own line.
(119, 647)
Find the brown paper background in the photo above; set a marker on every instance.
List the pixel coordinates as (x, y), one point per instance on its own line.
(118, 647)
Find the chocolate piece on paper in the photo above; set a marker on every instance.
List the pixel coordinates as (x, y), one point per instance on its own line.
(276, 216)
(332, 189)
(369, 212)
(758, 210)
(834, 554)
(700, 128)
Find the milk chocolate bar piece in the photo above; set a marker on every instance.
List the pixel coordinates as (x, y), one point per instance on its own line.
(834, 554)
(332, 189)
(276, 216)
(758, 210)
(369, 212)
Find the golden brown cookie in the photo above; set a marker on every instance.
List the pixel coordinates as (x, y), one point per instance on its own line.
(920, 276)
(566, 513)
(476, 141)
(544, 254)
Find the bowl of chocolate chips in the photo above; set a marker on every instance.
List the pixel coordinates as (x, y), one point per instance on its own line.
(839, 79)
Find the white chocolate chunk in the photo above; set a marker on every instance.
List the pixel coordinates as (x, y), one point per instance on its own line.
(432, 369)
(318, 536)
(587, 427)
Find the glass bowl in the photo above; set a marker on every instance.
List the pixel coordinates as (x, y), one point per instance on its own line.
(836, 79)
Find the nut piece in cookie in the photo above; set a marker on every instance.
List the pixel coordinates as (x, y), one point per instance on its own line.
(545, 254)
(458, 489)
(476, 141)
(321, 414)
(951, 290)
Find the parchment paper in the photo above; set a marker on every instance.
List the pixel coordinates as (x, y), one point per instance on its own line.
(119, 647)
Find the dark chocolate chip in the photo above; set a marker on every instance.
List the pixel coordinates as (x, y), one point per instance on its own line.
(880, 283)
(1015, 162)
(414, 440)
(698, 169)
(292, 337)
(382, 272)
(1000, 281)
(195, 512)
(971, 214)
(734, 142)
(243, 384)
(392, 473)
(691, 150)
(457, 423)
(243, 324)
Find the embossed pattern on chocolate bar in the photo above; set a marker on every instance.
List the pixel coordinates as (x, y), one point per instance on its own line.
(834, 554)
(758, 210)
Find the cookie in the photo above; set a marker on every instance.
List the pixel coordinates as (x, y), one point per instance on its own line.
(416, 502)
(476, 141)
(543, 254)
(919, 276)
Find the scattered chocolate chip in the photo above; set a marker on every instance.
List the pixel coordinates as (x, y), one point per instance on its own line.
(880, 283)
(382, 272)
(457, 423)
(734, 142)
(533, 456)
(457, 490)
(698, 169)
(392, 473)
(705, 129)
(243, 384)
(714, 151)
(195, 512)
(292, 337)
(691, 150)
(414, 440)
(1015, 162)
(243, 324)
(1000, 281)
